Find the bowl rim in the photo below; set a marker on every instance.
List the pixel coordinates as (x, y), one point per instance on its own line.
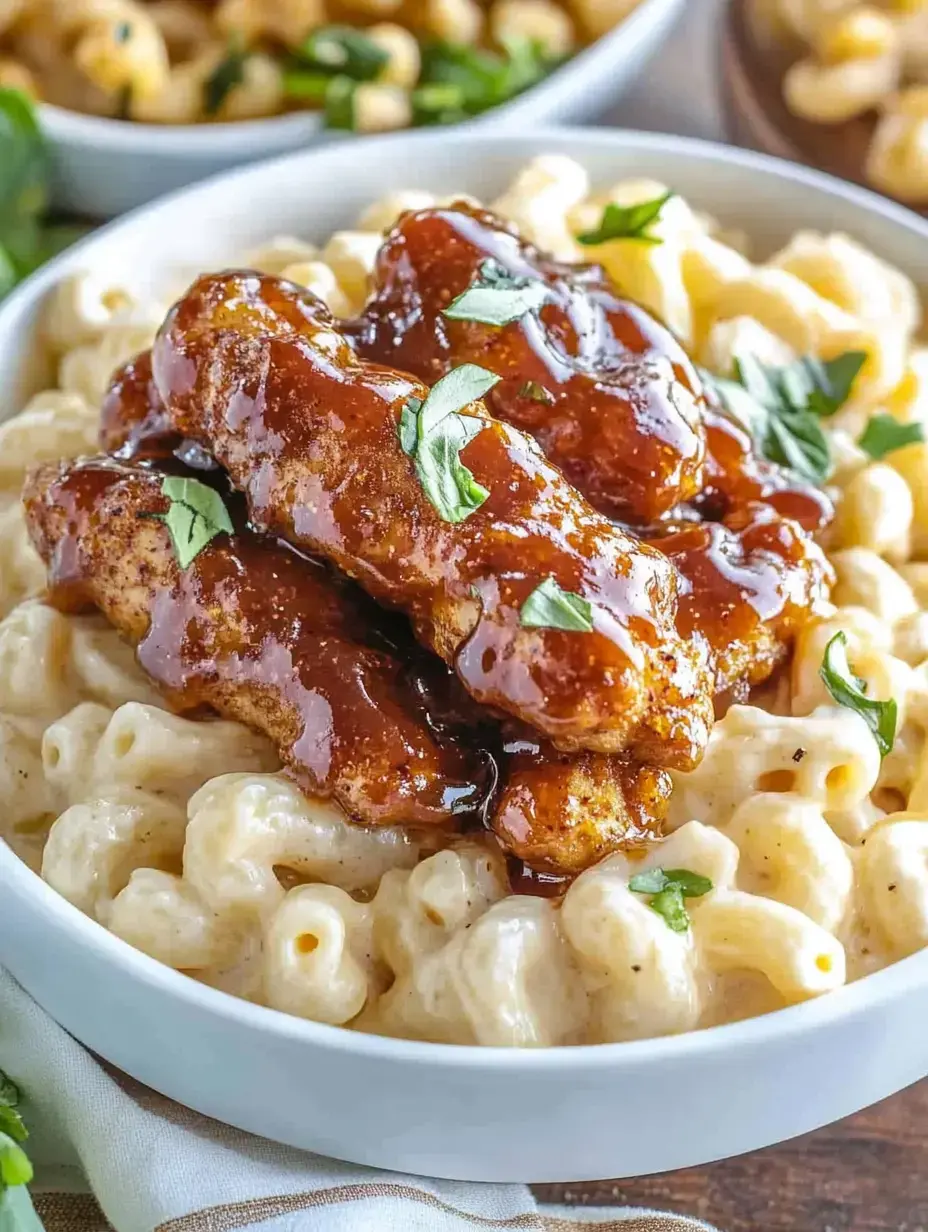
(121, 136)
(851, 1000)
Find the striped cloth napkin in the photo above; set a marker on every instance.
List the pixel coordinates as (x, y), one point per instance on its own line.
(112, 1154)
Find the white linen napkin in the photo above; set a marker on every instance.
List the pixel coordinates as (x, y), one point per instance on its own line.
(110, 1153)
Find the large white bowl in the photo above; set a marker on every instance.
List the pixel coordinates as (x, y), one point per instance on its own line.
(106, 167)
(471, 1113)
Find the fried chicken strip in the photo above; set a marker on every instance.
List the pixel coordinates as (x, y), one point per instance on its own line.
(256, 632)
(256, 370)
(605, 389)
(561, 814)
(612, 399)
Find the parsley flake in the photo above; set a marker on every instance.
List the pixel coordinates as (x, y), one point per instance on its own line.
(536, 392)
(480, 79)
(550, 607)
(433, 432)
(343, 50)
(497, 297)
(782, 407)
(883, 435)
(850, 691)
(627, 222)
(228, 73)
(16, 1209)
(339, 103)
(668, 888)
(195, 517)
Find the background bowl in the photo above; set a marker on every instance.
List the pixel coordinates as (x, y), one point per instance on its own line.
(471, 1113)
(105, 167)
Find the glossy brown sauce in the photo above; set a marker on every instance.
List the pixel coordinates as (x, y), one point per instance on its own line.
(257, 371)
(605, 389)
(627, 420)
(258, 633)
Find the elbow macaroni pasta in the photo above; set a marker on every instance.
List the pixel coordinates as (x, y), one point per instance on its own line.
(856, 58)
(192, 61)
(185, 839)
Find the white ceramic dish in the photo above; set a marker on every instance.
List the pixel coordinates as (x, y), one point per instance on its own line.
(486, 1114)
(105, 167)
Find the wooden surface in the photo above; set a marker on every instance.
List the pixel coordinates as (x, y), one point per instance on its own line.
(866, 1174)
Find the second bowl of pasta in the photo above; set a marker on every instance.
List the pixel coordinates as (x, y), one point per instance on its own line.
(141, 97)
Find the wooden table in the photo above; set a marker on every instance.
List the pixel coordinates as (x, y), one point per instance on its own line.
(866, 1174)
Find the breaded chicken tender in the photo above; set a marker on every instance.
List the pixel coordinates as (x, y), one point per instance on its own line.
(546, 610)
(256, 632)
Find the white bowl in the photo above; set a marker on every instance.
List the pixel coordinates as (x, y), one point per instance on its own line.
(470, 1113)
(105, 167)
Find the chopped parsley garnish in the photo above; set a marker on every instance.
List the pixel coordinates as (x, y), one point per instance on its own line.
(16, 1211)
(433, 432)
(497, 297)
(883, 434)
(550, 607)
(123, 32)
(306, 85)
(782, 407)
(849, 690)
(627, 222)
(343, 50)
(480, 79)
(195, 517)
(438, 103)
(536, 392)
(339, 103)
(668, 888)
(228, 73)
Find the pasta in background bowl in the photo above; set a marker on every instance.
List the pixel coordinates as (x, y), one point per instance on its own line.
(105, 167)
(816, 862)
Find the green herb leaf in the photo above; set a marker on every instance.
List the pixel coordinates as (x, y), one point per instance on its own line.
(195, 517)
(652, 881)
(453, 392)
(9, 1092)
(438, 103)
(228, 73)
(782, 407)
(447, 482)
(24, 160)
(9, 275)
(123, 32)
(497, 297)
(339, 103)
(537, 393)
(17, 1213)
(24, 169)
(11, 1123)
(482, 79)
(849, 690)
(627, 222)
(670, 907)
(669, 888)
(692, 885)
(883, 435)
(409, 425)
(302, 84)
(434, 432)
(343, 50)
(550, 607)
(15, 1168)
